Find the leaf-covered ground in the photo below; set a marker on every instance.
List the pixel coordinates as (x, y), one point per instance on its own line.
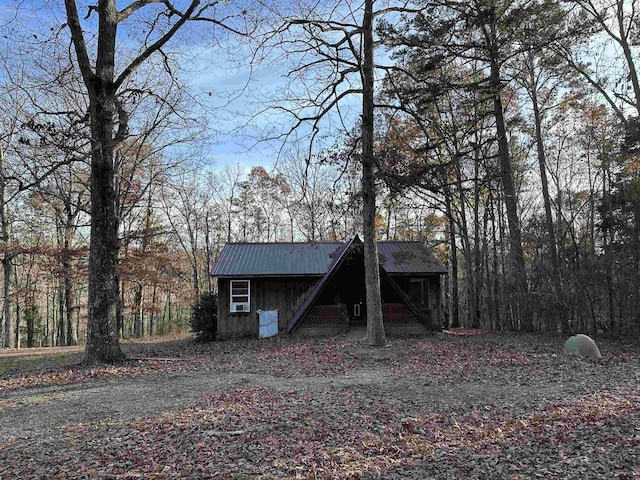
(454, 405)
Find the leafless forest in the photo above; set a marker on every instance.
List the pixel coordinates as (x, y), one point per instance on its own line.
(505, 136)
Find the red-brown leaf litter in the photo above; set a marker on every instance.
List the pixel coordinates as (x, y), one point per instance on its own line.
(464, 404)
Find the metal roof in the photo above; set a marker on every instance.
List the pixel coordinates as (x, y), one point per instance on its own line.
(314, 259)
(265, 259)
(408, 257)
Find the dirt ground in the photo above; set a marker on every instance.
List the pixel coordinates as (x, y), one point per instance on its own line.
(125, 398)
(495, 374)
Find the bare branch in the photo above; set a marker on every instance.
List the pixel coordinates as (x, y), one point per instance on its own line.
(139, 60)
(134, 7)
(77, 37)
(566, 56)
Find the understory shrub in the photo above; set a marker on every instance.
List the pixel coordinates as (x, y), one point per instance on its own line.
(204, 317)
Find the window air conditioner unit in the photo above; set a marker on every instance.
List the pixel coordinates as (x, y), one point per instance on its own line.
(239, 307)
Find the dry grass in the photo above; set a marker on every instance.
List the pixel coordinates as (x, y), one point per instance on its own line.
(13, 361)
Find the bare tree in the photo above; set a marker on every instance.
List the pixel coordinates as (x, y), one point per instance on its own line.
(227, 182)
(186, 200)
(605, 31)
(309, 199)
(333, 45)
(375, 325)
(155, 25)
(9, 136)
(541, 77)
(41, 135)
(7, 257)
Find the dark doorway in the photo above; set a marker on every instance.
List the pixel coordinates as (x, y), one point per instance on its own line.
(347, 287)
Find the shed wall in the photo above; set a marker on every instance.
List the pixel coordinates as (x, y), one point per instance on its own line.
(283, 294)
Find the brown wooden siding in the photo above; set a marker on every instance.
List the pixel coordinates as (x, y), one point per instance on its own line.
(287, 294)
(283, 294)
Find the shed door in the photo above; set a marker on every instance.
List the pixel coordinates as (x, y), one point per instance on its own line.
(268, 323)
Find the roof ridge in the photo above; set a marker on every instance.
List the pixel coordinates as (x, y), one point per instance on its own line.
(287, 243)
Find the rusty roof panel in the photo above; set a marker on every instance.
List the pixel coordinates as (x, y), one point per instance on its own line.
(408, 257)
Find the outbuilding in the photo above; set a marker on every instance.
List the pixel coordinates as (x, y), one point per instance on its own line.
(319, 288)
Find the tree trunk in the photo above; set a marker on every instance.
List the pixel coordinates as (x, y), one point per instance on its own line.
(466, 249)
(607, 239)
(18, 320)
(477, 256)
(7, 268)
(553, 244)
(166, 317)
(102, 339)
(375, 323)
(51, 329)
(71, 332)
(61, 317)
(7, 258)
(138, 325)
(208, 252)
(138, 315)
(30, 321)
(516, 254)
(454, 309)
(194, 275)
(66, 309)
(120, 306)
(497, 251)
(152, 317)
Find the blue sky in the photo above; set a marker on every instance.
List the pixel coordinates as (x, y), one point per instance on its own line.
(217, 74)
(218, 79)
(233, 100)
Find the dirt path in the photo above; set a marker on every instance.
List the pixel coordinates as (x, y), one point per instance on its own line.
(41, 412)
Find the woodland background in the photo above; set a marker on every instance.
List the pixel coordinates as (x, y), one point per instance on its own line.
(506, 138)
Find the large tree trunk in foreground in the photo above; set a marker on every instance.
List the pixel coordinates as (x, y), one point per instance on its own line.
(102, 339)
(375, 324)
